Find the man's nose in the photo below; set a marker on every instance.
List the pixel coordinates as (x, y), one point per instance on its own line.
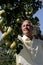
(25, 26)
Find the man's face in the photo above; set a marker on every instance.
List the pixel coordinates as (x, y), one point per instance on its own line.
(27, 28)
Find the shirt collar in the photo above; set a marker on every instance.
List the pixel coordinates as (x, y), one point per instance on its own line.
(25, 37)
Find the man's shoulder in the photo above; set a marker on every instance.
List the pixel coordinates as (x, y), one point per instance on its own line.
(39, 41)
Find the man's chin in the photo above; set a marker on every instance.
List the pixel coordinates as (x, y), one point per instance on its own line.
(27, 32)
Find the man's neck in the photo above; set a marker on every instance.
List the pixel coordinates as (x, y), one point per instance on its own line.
(30, 36)
(25, 37)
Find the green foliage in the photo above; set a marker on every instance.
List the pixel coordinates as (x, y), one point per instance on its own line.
(12, 13)
(7, 57)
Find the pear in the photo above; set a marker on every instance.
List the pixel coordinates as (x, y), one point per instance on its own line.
(30, 12)
(9, 31)
(18, 19)
(1, 21)
(2, 11)
(13, 45)
(26, 13)
(4, 35)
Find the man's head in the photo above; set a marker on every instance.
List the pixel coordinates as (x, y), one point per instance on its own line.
(27, 27)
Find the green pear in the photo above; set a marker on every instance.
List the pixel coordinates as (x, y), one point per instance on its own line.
(4, 35)
(30, 12)
(26, 13)
(2, 11)
(1, 21)
(18, 19)
(13, 45)
(9, 31)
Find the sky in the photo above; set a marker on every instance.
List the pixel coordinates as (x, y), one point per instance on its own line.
(39, 14)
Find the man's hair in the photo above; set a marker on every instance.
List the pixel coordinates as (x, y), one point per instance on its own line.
(28, 20)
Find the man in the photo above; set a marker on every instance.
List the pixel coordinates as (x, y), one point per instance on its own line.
(32, 52)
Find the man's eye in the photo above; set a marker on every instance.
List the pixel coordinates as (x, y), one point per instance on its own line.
(23, 25)
(28, 25)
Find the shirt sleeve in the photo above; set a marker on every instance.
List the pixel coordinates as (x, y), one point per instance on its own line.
(18, 60)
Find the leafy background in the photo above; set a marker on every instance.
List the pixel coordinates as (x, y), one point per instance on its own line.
(12, 13)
